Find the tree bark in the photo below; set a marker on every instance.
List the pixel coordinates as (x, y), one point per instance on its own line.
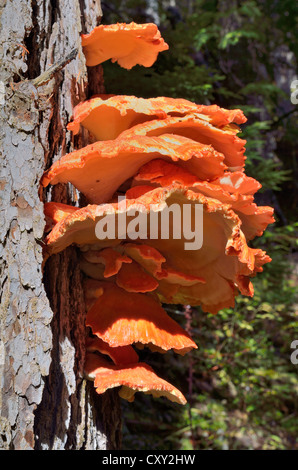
(45, 401)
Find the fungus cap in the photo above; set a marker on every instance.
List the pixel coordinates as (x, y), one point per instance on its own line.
(111, 259)
(133, 278)
(128, 44)
(147, 256)
(223, 140)
(119, 355)
(223, 256)
(132, 378)
(121, 318)
(106, 116)
(99, 169)
(226, 189)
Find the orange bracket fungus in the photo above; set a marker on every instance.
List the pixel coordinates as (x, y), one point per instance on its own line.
(106, 116)
(127, 44)
(170, 213)
(121, 318)
(120, 355)
(99, 169)
(132, 378)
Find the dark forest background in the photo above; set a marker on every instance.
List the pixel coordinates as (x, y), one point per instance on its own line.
(240, 384)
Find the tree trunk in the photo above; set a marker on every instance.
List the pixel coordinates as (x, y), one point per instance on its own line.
(45, 401)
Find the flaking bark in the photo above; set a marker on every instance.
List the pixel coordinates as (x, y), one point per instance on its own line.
(44, 400)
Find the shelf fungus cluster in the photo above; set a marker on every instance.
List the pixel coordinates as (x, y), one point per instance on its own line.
(147, 156)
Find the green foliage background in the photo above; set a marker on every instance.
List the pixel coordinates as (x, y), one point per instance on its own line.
(240, 384)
